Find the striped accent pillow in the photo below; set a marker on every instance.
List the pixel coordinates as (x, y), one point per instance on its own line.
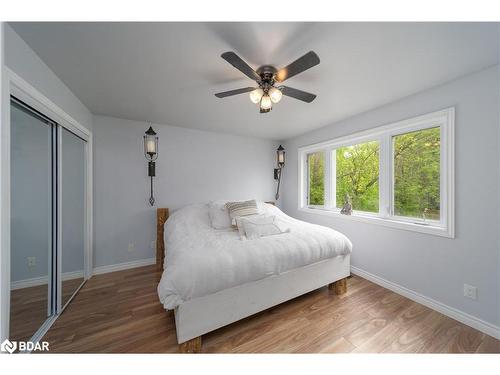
(242, 208)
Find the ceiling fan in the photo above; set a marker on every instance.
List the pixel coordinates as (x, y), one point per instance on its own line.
(267, 78)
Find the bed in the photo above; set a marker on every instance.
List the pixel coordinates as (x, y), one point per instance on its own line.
(212, 278)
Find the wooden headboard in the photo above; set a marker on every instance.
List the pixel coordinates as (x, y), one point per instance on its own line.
(161, 218)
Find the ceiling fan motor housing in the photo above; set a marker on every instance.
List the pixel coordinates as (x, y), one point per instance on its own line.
(266, 73)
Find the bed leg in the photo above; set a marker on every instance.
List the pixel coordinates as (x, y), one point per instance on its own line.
(339, 287)
(191, 346)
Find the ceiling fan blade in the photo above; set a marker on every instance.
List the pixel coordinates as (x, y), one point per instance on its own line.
(233, 59)
(234, 92)
(297, 94)
(303, 63)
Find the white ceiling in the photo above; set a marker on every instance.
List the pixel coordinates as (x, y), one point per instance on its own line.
(168, 72)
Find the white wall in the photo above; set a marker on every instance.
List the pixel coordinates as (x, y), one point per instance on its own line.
(193, 166)
(433, 266)
(21, 59)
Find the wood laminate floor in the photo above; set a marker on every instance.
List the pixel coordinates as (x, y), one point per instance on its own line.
(28, 308)
(28, 311)
(120, 313)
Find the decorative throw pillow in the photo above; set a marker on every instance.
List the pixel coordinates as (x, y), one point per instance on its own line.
(219, 215)
(239, 224)
(245, 208)
(260, 226)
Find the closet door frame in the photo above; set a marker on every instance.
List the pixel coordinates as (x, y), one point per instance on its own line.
(14, 85)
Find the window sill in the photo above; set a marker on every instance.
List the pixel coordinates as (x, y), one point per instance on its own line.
(373, 219)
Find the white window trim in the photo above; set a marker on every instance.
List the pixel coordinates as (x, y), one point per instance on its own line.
(446, 227)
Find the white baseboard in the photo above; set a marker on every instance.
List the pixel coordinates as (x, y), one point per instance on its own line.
(462, 317)
(72, 275)
(28, 283)
(36, 281)
(124, 266)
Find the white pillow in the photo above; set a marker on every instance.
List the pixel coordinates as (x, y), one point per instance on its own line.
(242, 208)
(239, 224)
(260, 226)
(219, 215)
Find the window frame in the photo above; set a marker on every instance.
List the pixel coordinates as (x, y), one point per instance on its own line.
(444, 119)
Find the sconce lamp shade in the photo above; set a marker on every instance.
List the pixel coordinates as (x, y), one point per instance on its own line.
(280, 156)
(150, 145)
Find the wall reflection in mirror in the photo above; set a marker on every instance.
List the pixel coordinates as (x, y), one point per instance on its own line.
(31, 222)
(73, 213)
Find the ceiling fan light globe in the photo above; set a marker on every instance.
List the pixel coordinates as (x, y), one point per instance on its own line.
(275, 94)
(256, 95)
(265, 102)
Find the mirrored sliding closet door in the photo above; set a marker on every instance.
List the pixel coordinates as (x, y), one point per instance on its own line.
(32, 221)
(73, 213)
(49, 217)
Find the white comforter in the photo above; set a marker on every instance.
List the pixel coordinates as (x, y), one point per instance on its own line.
(201, 260)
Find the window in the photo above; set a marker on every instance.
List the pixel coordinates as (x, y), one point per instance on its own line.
(356, 176)
(316, 176)
(417, 173)
(398, 175)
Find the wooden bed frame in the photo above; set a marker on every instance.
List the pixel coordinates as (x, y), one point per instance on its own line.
(236, 303)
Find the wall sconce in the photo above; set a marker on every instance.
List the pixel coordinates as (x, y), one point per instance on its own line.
(280, 159)
(151, 154)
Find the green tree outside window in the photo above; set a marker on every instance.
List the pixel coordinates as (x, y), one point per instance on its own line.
(316, 171)
(417, 174)
(357, 175)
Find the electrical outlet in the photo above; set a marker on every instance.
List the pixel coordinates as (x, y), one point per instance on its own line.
(131, 247)
(31, 261)
(470, 291)
(153, 244)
